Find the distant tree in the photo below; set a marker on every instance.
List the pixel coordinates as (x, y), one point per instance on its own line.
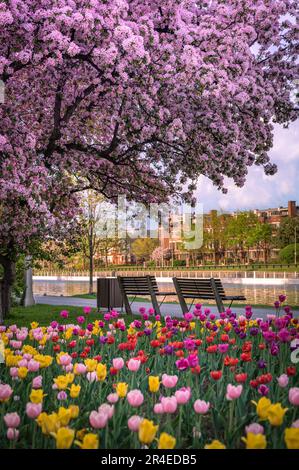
(240, 233)
(286, 231)
(143, 248)
(260, 236)
(287, 254)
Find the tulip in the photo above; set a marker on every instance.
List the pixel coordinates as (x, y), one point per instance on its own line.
(37, 382)
(90, 441)
(118, 363)
(215, 444)
(12, 420)
(166, 441)
(201, 407)
(169, 381)
(254, 428)
(33, 410)
(183, 395)
(112, 398)
(135, 398)
(255, 441)
(12, 434)
(294, 396)
(233, 392)
(134, 423)
(133, 365)
(147, 431)
(153, 383)
(291, 437)
(98, 420)
(158, 408)
(106, 408)
(276, 414)
(283, 380)
(169, 404)
(64, 438)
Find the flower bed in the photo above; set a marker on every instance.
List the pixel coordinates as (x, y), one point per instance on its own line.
(196, 382)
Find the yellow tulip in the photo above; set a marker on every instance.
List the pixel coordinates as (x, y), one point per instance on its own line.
(22, 372)
(91, 364)
(48, 423)
(121, 389)
(90, 441)
(34, 325)
(75, 390)
(215, 444)
(64, 438)
(166, 441)
(291, 437)
(147, 431)
(74, 409)
(153, 383)
(276, 414)
(262, 407)
(64, 416)
(44, 361)
(101, 372)
(36, 396)
(255, 441)
(62, 382)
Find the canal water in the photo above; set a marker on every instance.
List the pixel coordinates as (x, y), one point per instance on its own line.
(255, 293)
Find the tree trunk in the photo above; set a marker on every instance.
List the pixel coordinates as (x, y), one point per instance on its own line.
(90, 290)
(8, 280)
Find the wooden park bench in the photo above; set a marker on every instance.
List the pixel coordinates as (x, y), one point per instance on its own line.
(141, 286)
(205, 289)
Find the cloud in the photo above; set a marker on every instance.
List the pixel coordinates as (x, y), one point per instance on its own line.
(260, 190)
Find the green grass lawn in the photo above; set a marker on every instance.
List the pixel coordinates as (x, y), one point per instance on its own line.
(44, 314)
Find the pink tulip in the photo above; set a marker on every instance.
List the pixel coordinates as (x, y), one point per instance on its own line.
(5, 392)
(112, 398)
(201, 407)
(133, 365)
(106, 408)
(33, 410)
(135, 398)
(80, 368)
(12, 420)
(98, 420)
(22, 363)
(62, 395)
(33, 366)
(65, 359)
(169, 381)
(134, 423)
(283, 380)
(64, 314)
(118, 363)
(158, 409)
(169, 404)
(254, 428)
(294, 396)
(295, 424)
(86, 310)
(12, 434)
(92, 376)
(37, 382)
(183, 395)
(233, 392)
(13, 372)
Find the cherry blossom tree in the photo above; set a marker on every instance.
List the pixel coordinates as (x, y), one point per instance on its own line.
(135, 97)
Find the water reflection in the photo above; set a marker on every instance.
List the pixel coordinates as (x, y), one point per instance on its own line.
(255, 294)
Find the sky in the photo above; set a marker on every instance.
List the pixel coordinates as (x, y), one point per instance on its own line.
(260, 191)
